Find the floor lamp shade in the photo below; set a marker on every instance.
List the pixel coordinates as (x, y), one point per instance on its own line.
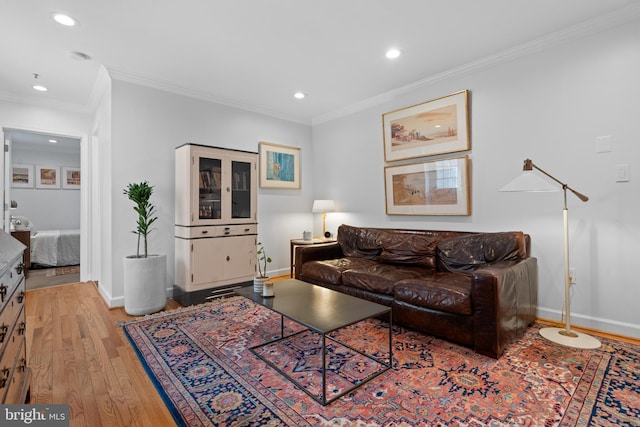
(323, 206)
(529, 181)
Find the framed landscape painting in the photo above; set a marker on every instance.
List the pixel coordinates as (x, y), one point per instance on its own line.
(434, 127)
(70, 178)
(47, 177)
(279, 166)
(439, 187)
(21, 176)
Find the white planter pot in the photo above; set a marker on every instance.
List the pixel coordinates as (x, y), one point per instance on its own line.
(258, 284)
(145, 284)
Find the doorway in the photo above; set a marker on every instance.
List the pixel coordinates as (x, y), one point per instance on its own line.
(45, 203)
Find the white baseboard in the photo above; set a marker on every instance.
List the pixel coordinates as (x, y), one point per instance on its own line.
(597, 323)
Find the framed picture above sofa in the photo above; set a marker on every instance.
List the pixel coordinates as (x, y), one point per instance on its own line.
(434, 127)
(439, 187)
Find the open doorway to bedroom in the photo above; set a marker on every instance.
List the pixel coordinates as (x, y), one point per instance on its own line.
(45, 202)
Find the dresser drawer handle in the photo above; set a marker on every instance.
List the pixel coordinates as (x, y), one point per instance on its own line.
(5, 377)
(21, 297)
(205, 231)
(3, 332)
(22, 328)
(3, 292)
(20, 267)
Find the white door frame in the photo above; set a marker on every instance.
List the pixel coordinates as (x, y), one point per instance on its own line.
(86, 220)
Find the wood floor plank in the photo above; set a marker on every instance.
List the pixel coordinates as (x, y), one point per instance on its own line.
(80, 357)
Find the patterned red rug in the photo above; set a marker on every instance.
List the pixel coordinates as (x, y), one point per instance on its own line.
(198, 358)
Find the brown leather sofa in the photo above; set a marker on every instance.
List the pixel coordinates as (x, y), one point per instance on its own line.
(475, 289)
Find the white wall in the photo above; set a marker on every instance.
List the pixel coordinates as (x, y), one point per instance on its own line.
(550, 107)
(47, 209)
(147, 126)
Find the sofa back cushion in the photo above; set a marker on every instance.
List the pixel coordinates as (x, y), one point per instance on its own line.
(468, 253)
(359, 242)
(393, 246)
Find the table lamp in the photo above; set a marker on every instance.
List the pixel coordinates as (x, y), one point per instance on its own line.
(323, 206)
(529, 181)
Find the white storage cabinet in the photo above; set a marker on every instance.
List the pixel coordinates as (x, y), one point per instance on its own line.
(216, 220)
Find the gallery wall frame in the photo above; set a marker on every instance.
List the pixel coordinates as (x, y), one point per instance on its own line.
(71, 178)
(279, 166)
(434, 127)
(47, 177)
(21, 176)
(437, 187)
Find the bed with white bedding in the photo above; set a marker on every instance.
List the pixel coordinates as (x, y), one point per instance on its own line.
(55, 248)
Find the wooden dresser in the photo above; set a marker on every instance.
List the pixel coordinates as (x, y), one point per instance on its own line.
(14, 372)
(24, 236)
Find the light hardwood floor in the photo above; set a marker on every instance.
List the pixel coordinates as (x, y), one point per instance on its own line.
(78, 355)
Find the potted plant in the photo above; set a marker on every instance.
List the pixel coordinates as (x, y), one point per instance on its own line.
(263, 260)
(145, 275)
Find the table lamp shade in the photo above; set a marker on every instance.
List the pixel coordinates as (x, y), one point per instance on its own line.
(323, 206)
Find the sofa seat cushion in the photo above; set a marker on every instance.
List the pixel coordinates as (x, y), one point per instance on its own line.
(380, 277)
(330, 271)
(448, 292)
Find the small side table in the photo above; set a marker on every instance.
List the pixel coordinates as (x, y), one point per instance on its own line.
(24, 237)
(302, 242)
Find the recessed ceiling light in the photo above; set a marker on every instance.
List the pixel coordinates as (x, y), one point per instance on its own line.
(392, 53)
(299, 95)
(64, 19)
(53, 141)
(40, 88)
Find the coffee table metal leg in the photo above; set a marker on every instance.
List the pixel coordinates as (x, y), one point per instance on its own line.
(324, 371)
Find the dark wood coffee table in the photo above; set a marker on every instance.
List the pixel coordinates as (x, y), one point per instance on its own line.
(323, 311)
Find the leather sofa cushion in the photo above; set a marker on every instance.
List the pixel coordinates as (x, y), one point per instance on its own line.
(441, 291)
(468, 253)
(359, 242)
(330, 271)
(408, 248)
(380, 277)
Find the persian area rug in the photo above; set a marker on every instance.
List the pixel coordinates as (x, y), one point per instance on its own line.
(199, 360)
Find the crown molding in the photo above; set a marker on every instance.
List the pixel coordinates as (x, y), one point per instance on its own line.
(584, 29)
(204, 96)
(34, 101)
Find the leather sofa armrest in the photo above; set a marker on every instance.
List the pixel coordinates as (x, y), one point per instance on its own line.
(318, 252)
(504, 298)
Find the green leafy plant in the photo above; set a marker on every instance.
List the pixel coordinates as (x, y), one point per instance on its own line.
(140, 193)
(263, 260)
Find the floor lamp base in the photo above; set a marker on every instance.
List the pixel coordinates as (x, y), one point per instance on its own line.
(574, 339)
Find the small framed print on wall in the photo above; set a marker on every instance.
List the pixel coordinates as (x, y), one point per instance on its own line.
(433, 127)
(439, 187)
(279, 166)
(71, 178)
(21, 176)
(47, 177)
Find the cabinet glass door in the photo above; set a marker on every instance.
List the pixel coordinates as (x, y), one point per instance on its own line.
(210, 194)
(240, 189)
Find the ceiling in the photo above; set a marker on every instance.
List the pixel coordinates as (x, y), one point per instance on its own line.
(256, 54)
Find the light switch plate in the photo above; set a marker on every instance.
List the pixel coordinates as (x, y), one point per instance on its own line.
(622, 173)
(603, 144)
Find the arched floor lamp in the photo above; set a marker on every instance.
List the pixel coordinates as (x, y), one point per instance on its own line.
(530, 181)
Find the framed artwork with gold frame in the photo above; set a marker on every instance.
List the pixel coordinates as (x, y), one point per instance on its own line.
(434, 127)
(438, 187)
(279, 166)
